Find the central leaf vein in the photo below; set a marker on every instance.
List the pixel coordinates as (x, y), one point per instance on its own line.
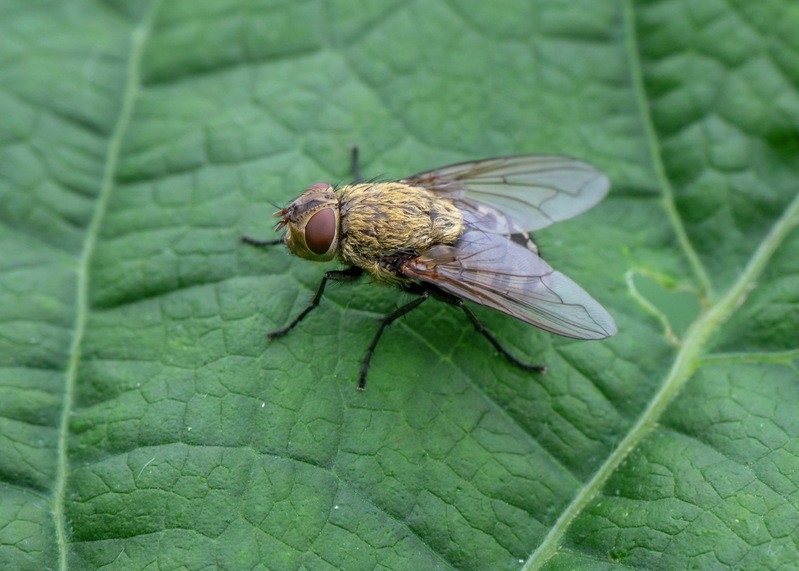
(129, 94)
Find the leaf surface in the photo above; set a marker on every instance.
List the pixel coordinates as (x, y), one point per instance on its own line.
(145, 422)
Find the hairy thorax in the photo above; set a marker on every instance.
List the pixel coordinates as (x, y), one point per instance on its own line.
(386, 221)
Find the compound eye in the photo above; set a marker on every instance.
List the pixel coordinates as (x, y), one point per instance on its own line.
(320, 231)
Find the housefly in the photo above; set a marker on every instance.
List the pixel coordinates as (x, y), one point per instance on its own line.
(455, 233)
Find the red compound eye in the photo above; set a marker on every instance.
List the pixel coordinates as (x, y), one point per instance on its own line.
(320, 231)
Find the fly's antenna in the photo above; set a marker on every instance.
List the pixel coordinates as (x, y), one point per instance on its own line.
(275, 205)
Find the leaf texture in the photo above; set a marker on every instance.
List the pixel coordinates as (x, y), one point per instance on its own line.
(145, 422)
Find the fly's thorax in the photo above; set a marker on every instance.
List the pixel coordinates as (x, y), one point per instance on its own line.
(312, 223)
(380, 220)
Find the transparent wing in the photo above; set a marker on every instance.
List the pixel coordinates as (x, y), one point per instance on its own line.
(491, 270)
(509, 195)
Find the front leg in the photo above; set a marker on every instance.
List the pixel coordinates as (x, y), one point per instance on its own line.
(260, 243)
(348, 275)
(356, 165)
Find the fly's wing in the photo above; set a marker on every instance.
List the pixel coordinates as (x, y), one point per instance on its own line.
(518, 194)
(491, 270)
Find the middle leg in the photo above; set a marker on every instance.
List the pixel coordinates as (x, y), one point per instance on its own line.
(387, 320)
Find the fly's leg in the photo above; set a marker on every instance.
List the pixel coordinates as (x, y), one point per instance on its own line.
(348, 275)
(356, 166)
(480, 328)
(487, 334)
(261, 243)
(387, 320)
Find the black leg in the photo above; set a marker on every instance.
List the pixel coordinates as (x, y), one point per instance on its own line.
(458, 302)
(481, 329)
(254, 242)
(383, 323)
(356, 167)
(348, 275)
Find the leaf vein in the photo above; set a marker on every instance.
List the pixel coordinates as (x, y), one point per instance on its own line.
(139, 37)
(655, 151)
(687, 360)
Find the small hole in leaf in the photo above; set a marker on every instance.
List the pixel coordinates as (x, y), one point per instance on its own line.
(678, 307)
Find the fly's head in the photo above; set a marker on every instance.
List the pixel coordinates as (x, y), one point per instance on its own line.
(312, 223)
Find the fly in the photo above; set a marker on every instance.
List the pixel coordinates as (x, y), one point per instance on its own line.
(459, 232)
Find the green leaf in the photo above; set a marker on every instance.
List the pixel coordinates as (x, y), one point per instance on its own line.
(145, 422)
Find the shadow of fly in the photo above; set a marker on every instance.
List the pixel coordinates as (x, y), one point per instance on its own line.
(459, 232)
